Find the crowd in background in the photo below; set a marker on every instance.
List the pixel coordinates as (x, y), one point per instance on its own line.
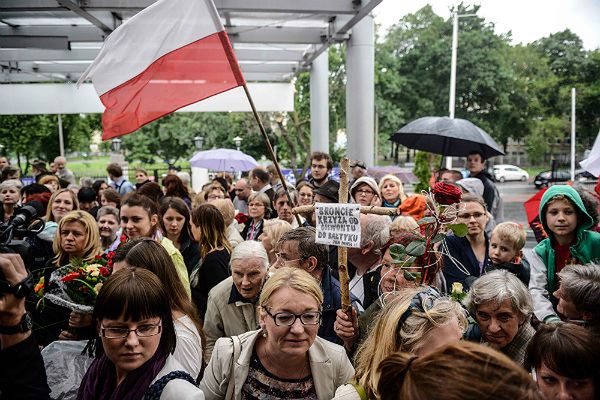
(225, 294)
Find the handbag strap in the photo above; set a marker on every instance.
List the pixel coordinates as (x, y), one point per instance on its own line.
(155, 390)
(236, 354)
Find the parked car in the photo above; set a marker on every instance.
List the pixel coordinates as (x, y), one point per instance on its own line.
(505, 172)
(543, 179)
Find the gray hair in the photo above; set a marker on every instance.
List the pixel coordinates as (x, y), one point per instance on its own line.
(185, 177)
(108, 210)
(307, 246)
(281, 193)
(580, 284)
(377, 230)
(86, 181)
(497, 286)
(250, 249)
(263, 198)
(11, 183)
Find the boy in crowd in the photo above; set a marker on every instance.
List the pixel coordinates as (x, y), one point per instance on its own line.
(506, 245)
(569, 241)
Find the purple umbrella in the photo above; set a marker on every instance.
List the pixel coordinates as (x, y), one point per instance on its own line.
(223, 160)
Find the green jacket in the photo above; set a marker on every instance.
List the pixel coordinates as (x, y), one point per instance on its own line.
(587, 243)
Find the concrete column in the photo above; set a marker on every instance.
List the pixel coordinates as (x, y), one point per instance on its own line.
(319, 103)
(360, 92)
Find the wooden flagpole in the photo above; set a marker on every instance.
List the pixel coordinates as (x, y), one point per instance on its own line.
(343, 251)
(270, 149)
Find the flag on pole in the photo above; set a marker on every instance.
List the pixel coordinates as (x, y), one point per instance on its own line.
(171, 54)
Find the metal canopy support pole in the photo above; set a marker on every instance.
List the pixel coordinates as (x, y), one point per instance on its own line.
(452, 101)
(360, 92)
(319, 103)
(573, 100)
(61, 141)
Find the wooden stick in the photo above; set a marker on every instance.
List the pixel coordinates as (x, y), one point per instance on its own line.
(363, 210)
(343, 251)
(270, 149)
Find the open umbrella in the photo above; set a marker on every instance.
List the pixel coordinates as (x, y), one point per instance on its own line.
(592, 163)
(447, 136)
(223, 160)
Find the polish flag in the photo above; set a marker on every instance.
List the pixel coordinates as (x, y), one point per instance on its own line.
(171, 54)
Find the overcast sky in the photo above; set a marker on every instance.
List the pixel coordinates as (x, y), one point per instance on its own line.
(528, 20)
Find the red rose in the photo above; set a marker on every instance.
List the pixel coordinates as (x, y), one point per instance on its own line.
(97, 257)
(446, 193)
(70, 276)
(104, 271)
(110, 255)
(123, 238)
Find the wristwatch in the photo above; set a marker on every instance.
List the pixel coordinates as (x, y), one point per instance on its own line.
(25, 325)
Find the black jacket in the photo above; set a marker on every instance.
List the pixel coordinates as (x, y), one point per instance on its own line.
(22, 372)
(461, 251)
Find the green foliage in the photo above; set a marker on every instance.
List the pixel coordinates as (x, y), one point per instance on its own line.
(422, 171)
(460, 230)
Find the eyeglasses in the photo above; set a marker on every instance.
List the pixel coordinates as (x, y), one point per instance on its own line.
(289, 319)
(421, 302)
(283, 258)
(466, 217)
(365, 192)
(141, 331)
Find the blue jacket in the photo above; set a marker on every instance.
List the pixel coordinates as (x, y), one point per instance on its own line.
(332, 301)
(460, 249)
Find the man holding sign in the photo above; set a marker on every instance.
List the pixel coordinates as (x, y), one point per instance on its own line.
(298, 249)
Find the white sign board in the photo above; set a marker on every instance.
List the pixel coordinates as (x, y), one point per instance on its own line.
(338, 224)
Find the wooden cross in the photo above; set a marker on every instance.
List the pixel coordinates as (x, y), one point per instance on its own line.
(343, 251)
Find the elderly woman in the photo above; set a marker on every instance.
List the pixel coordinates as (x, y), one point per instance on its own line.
(563, 359)
(502, 307)
(365, 192)
(259, 208)
(134, 320)
(393, 196)
(417, 321)
(579, 295)
(467, 256)
(232, 303)
(108, 226)
(285, 358)
(9, 198)
(150, 255)
(272, 232)
(226, 208)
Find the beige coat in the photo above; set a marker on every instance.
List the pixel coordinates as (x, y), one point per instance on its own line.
(223, 319)
(329, 366)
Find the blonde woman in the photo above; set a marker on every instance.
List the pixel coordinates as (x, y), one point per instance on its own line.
(272, 232)
(61, 202)
(392, 193)
(417, 321)
(226, 208)
(284, 358)
(77, 239)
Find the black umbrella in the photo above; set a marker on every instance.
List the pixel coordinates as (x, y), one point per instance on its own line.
(446, 136)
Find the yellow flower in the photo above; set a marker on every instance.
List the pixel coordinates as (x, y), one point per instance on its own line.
(457, 288)
(93, 270)
(97, 288)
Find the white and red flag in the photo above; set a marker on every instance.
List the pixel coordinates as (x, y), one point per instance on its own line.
(171, 54)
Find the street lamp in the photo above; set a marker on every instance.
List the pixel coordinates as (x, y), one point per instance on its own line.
(115, 145)
(198, 142)
(238, 141)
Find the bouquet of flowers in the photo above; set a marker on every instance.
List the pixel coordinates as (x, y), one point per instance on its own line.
(419, 253)
(76, 285)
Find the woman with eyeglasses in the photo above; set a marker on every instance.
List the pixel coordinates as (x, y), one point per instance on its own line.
(133, 317)
(150, 255)
(365, 192)
(259, 208)
(283, 359)
(418, 321)
(467, 256)
(305, 193)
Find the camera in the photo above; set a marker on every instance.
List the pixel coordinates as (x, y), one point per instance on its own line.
(14, 235)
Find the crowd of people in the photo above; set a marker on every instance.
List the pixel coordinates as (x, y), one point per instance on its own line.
(225, 293)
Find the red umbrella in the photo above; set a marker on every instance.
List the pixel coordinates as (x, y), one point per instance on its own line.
(532, 205)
